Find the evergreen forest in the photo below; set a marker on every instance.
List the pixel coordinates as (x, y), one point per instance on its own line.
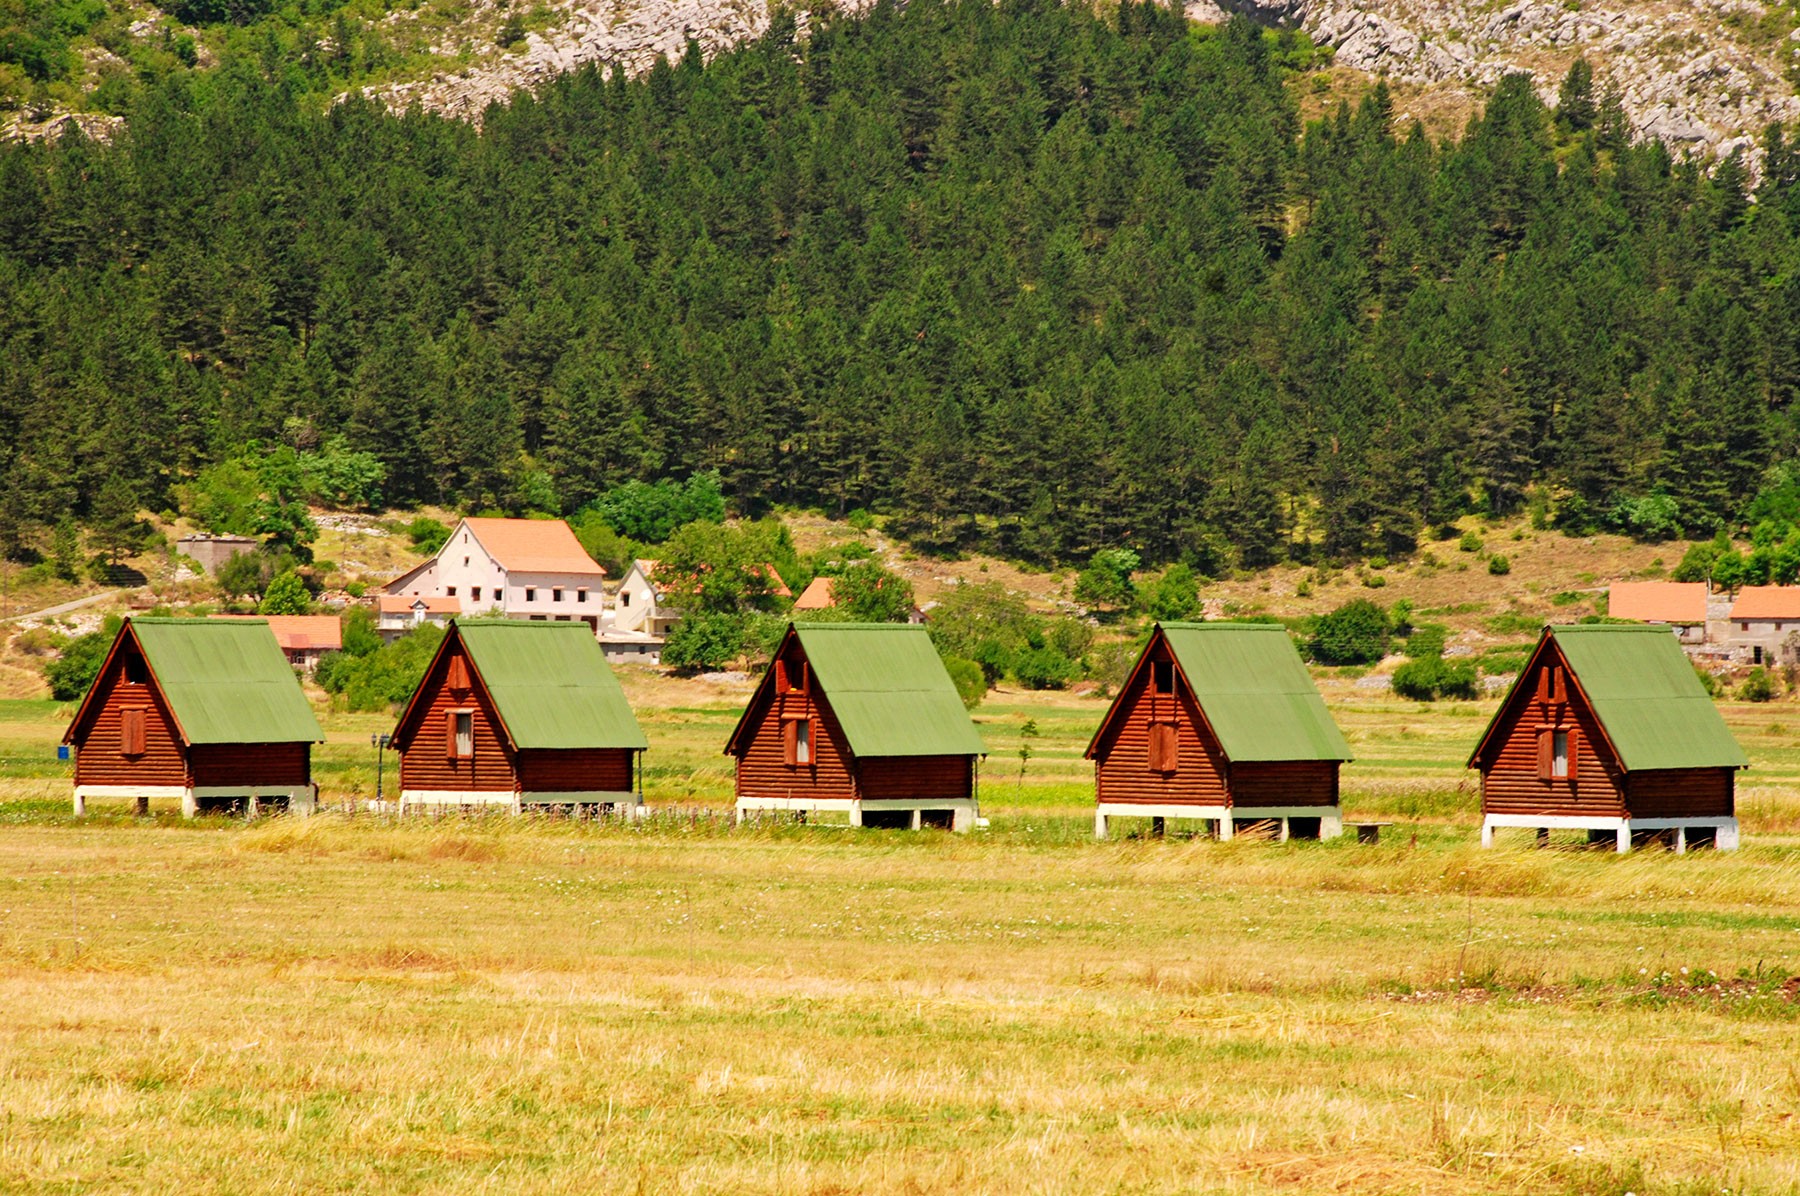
(1019, 276)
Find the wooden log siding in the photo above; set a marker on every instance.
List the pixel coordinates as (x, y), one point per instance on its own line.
(1682, 793)
(1123, 771)
(763, 769)
(1516, 784)
(101, 759)
(427, 762)
(1284, 783)
(910, 777)
(216, 764)
(575, 770)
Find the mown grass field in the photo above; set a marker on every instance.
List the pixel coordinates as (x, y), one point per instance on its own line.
(343, 1003)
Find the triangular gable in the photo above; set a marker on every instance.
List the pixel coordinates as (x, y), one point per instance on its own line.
(764, 695)
(1641, 689)
(886, 686)
(1523, 690)
(551, 685)
(104, 681)
(408, 724)
(1135, 682)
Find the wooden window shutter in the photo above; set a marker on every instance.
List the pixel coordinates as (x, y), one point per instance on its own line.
(1164, 749)
(1543, 684)
(459, 672)
(450, 734)
(782, 684)
(789, 741)
(799, 668)
(1545, 747)
(1574, 754)
(131, 732)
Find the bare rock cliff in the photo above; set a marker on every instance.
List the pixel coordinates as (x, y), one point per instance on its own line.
(1704, 75)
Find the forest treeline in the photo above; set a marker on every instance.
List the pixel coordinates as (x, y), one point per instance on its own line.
(1020, 276)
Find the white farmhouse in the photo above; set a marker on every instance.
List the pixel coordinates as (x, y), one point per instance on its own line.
(516, 568)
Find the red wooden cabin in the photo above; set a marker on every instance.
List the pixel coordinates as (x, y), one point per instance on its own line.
(1220, 721)
(207, 712)
(858, 718)
(516, 713)
(1607, 729)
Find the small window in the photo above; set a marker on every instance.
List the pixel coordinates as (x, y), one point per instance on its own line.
(137, 670)
(131, 732)
(1559, 753)
(462, 745)
(1162, 676)
(1164, 751)
(465, 559)
(624, 597)
(1756, 654)
(1743, 626)
(556, 595)
(562, 618)
(803, 741)
(538, 619)
(449, 591)
(530, 594)
(581, 595)
(474, 593)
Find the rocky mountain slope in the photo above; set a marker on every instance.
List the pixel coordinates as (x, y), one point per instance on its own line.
(1705, 75)
(1701, 74)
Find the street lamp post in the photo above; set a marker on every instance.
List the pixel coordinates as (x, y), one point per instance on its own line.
(379, 742)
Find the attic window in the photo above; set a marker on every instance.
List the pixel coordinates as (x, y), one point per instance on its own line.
(790, 676)
(131, 732)
(458, 673)
(460, 737)
(624, 597)
(796, 742)
(137, 670)
(1162, 676)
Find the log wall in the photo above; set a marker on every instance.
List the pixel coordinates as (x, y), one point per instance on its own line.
(1510, 781)
(250, 764)
(570, 770)
(426, 763)
(762, 768)
(98, 758)
(1122, 758)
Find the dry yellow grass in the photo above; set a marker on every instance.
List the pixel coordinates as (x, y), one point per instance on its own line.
(549, 1007)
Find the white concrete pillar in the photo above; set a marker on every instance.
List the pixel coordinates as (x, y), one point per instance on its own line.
(918, 819)
(962, 820)
(856, 813)
(1099, 822)
(1226, 827)
(1331, 826)
(305, 803)
(1487, 833)
(1681, 840)
(1625, 837)
(1725, 837)
(190, 805)
(80, 803)
(1283, 837)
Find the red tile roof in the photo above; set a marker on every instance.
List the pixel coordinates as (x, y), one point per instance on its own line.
(816, 596)
(1767, 602)
(299, 632)
(1658, 601)
(533, 546)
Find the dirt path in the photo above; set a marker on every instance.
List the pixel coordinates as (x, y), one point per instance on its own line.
(66, 607)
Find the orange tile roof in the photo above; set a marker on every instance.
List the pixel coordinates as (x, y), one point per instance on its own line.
(297, 632)
(400, 604)
(765, 571)
(533, 546)
(1767, 602)
(816, 596)
(1658, 601)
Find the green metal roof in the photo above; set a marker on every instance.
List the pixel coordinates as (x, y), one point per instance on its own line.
(552, 685)
(1258, 697)
(226, 681)
(889, 690)
(1644, 691)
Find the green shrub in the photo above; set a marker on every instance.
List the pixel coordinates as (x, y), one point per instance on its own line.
(706, 640)
(1566, 598)
(1708, 682)
(1431, 677)
(1759, 686)
(1374, 581)
(1044, 668)
(969, 679)
(383, 678)
(75, 667)
(860, 519)
(1354, 633)
(1426, 641)
(1499, 566)
(427, 534)
(1470, 542)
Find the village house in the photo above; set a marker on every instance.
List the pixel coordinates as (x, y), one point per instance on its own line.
(397, 614)
(1678, 605)
(529, 569)
(303, 639)
(1220, 721)
(518, 714)
(204, 711)
(209, 552)
(862, 719)
(1607, 729)
(1764, 626)
(642, 616)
